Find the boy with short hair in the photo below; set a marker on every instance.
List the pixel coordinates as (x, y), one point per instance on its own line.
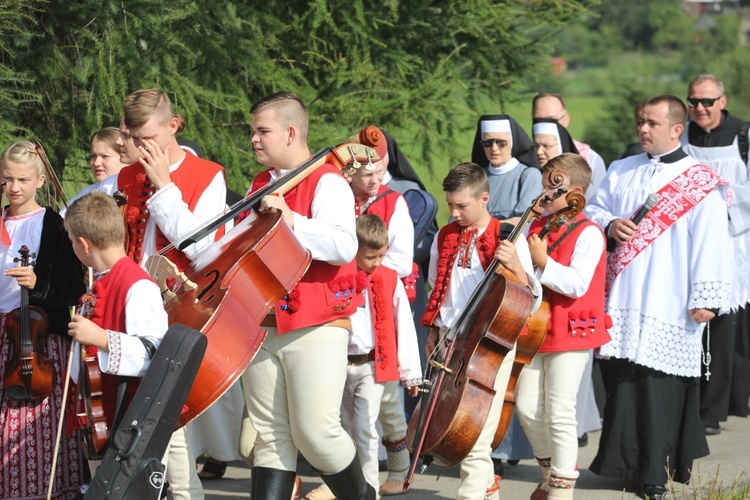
(382, 347)
(128, 319)
(570, 264)
(460, 254)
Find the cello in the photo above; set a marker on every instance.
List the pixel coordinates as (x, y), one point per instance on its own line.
(462, 385)
(229, 288)
(531, 338)
(28, 373)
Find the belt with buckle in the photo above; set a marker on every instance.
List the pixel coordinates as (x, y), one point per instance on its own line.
(361, 359)
(270, 322)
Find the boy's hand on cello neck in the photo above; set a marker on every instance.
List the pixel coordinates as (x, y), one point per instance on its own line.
(538, 251)
(508, 256)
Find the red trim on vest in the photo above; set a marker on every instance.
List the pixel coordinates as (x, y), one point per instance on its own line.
(575, 324)
(383, 207)
(192, 178)
(381, 290)
(326, 292)
(450, 238)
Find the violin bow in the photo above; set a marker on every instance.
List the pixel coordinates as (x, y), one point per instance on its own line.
(66, 386)
(51, 173)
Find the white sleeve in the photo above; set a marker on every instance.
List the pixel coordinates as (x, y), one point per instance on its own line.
(434, 256)
(409, 363)
(400, 254)
(174, 218)
(522, 248)
(599, 208)
(598, 171)
(330, 234)
(573, 280)
(146, 318)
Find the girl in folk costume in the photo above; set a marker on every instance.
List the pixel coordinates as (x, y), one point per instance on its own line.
(28, 426)
(460, 254)
(570, 265)
(511, 165)
(382, 348)
(104, 163)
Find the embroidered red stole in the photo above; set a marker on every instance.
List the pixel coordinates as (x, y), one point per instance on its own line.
(675, 200)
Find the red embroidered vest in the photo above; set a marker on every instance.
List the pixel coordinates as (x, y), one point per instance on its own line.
(575, 324)
(192, 178)
(381, 289)
(326, 292)
(111, 293)
(450, 239)
(383, 207)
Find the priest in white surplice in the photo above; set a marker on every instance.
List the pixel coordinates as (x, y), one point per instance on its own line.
(666, 277)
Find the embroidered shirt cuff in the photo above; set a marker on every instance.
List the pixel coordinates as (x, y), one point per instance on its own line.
(115, 352)
(412, 382)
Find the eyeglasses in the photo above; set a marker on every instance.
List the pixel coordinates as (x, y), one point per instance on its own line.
(488, 143)
(707, 102)
(545, 147)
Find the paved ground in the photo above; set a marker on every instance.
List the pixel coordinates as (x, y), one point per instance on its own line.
(728, 464)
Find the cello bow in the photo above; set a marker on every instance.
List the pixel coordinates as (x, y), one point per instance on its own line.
(453, 430)
(347, 155)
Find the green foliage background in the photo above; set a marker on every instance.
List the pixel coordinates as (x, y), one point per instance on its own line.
(66, 67)
(423, 70)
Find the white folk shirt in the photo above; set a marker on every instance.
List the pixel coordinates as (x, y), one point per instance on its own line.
(400, 253)
(463, 282)
(362, 332)
(331, 234)
(145, 317)
(23, 230)
(573, 280)
(684, 268)
(174, 218)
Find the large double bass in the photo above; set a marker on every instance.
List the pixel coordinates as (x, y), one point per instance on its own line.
(460, 387)
(229, 288)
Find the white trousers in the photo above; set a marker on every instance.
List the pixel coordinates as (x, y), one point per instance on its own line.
(392, 417)
(359, 412)
(477, 471)
(546, 406)
(294, 387)
(179, 460)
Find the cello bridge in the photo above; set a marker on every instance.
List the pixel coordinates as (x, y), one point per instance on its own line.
(162, 269)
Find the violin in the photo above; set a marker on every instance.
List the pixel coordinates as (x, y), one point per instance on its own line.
(90, 409)
(28, 373)
(533, 336)
(460, 388)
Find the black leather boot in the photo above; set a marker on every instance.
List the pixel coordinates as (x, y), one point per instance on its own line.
(272, 484)
(349, 484)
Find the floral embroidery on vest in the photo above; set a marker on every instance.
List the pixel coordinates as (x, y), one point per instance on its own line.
(377, 301)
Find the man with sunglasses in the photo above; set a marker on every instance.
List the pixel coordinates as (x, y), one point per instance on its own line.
(720, 141)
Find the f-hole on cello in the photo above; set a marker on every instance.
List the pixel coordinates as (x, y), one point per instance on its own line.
(229, 288)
